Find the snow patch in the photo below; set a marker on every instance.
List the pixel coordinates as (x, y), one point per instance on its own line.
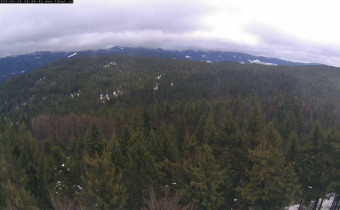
(110, 64)
(326, 204)
(72, 55)
(208, 61)
(156, 87)
(114, 93)
(74, 94)
(107, 96)
(262, 63)
(187, 56)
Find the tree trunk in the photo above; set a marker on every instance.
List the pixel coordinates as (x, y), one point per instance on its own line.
(320, 204)
(315, 204)
(301, 203)
(335, 203)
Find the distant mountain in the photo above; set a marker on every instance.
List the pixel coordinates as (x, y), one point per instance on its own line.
(13, 65)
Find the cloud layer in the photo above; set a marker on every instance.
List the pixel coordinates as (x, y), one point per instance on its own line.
(299, 31)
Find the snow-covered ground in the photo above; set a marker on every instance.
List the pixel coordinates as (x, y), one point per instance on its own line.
(327, 203)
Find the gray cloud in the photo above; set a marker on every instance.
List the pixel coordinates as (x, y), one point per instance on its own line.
(275, 43)
(168, 24)
(95, 25)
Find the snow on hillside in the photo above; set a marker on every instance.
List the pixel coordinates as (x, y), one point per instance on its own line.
(262, 63)
(72, 55)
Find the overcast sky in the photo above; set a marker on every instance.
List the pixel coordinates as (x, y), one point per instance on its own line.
(298, 30)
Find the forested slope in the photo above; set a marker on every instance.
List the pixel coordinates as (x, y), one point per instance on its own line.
(100, 132)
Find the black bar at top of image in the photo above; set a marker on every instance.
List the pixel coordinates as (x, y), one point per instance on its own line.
(36, 1)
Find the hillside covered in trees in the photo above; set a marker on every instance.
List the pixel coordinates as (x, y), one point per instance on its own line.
(118, 132)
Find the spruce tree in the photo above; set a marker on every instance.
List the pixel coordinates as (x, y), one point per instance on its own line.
(92, 141)
(253, 128)
(170, 146)
(232, 156)
(204, 178)
(190, 146)
(311, 168)
(210, 131)
(102, 186)
(271, 183)
(19, 198)
(140, 170)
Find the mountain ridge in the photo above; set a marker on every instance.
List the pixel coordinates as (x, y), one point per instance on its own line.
(18, 64)
(105, 79)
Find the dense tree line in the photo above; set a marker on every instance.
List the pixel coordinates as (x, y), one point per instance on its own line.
(224, 165)
(213, 136)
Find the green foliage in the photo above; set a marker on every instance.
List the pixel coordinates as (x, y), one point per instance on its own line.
(140, 170)
(209, 131)
(254, 127)
(102, 186)
(271, 182)
(93, 142)
(205, 178)
(19, 198)
(201, 135)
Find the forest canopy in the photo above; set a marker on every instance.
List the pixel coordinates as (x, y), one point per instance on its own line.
(119, 132)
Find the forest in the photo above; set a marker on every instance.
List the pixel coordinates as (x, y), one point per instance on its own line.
(120, 132)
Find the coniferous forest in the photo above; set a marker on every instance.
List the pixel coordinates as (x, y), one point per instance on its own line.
(121, 132)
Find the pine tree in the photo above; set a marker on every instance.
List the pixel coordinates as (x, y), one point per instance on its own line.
(140, 170)
(227, 135)
(102, 186)
(190, 146)
(253, 128)
(204, 178)
(19, 198)
(271, 182)
(115, 147)
(292, 148)
(155, 146)
(35, 166)
(210, 131)
(311, 168)
(232, 156)
(138, 120)
(200, 128)
(170, 146)
(92, 141)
